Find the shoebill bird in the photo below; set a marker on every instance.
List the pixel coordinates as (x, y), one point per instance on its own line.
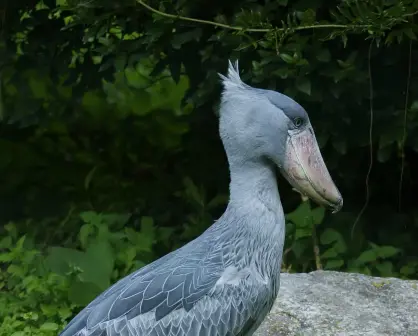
(225, 281)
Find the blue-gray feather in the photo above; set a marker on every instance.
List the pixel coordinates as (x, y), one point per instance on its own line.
(224, 282)
(180, 296)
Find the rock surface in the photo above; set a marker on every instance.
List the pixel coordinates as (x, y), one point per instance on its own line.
(342, 304)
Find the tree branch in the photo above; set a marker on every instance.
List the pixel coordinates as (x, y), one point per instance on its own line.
(252, 30)
(259, 30)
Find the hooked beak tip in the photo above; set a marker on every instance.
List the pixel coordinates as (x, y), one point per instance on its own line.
(337, 207)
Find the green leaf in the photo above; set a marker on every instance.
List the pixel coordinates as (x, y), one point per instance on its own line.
(303, 232)
(136, 79)
(365, 270)
(318, 215)
(192, 190)
(49, 326)
(20, 243)
(409, 268)
(304, 85)
(334, 264)
(6, 257)
(179, 39)
(91, 217)
(330, 236)
(385, 269)
(330, 253)
(140, 103)
(85, 231)
(367, 256)
(89, 177)
(301, 217)
(217, 201)
(60, 259)
(387, 251)
(143, 240)
(308, 17)
(116, 219)
(170, 94)
(287, 58)
(16, 271)
(82, 293)
(5, 242)
(98, 264)
(147, 226)
(41, 6)
(298, 247)
(120, 63)
(282, 72)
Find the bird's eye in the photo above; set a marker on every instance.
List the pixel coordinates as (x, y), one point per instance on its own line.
(298, 122)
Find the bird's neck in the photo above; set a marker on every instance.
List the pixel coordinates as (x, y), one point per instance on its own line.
(254, 183)
(255, 217)
(255, 200)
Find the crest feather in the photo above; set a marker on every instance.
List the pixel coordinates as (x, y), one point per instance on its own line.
(232, 80)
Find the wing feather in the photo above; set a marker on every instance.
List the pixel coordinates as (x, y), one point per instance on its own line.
(172, 282)
(178, 295)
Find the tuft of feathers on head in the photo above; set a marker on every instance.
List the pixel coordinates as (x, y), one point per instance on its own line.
(232, 80)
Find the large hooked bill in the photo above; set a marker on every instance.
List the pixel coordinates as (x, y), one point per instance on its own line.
(306, 171)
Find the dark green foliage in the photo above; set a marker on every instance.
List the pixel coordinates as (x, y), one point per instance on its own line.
(110, 156)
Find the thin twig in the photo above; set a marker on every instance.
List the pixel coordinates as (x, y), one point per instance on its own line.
(366, 203)
(405, 116)
(285, 268)
(253, 30)
(316, 248)
(256, 30)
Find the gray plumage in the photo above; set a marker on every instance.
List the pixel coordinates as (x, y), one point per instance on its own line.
(225, 281)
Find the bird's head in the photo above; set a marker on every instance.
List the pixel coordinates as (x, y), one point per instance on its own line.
(258, 124)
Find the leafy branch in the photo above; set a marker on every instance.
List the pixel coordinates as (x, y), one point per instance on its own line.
(353, 12)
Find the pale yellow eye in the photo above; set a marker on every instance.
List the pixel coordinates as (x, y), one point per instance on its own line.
(298, 122)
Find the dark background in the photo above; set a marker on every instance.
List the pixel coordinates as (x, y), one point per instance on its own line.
(109, 147)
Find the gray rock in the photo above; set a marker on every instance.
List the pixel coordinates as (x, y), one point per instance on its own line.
(342, 304)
